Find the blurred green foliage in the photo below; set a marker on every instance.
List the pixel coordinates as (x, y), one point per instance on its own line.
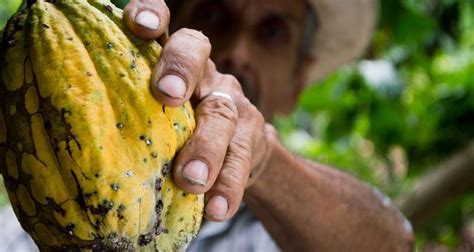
(389, 118)
(7, 7)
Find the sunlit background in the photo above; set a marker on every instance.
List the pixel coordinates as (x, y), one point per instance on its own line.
(400, 118)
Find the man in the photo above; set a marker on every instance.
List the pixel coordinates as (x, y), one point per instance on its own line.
(271, 49)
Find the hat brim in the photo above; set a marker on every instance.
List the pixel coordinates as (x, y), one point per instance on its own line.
(345, 29)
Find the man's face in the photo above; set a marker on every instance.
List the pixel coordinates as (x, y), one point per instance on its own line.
(257, 41)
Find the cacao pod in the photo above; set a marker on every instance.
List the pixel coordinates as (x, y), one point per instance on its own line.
(85, 149)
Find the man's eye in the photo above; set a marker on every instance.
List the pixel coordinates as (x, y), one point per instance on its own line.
(273, 31)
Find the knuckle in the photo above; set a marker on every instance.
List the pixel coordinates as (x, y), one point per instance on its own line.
(180, 61)
(130, 11)
(232, 181)
(157, 6)
(211, 67)
(250, 113)
(232, 82)
(239, 151)
(167, 10)
(196, 37)
(219, 108)
(204, 153)
(153, 5)
(258, 117)
(185, 56)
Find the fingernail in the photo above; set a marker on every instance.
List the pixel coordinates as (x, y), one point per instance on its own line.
(148, 20)
(196, 173)
(217, 207)
(172, 86)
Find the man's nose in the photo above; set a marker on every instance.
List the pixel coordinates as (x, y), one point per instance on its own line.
(236, 59)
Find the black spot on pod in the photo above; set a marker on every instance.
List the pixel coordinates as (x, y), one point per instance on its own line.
(109, 8)
(159, 230)
(110, 45)
(146, 140)
(45, 26)
(11, 42)
(145, 239)
(165, 170)
(120, 210)
(97, 224)
(154, 155)
(158, 185)
(70, 228)
(120, 125)
(47, 124)
(65, 112)
(115, 242)
(115, 187)
(159, 207)
(55, 206)
(103, 208)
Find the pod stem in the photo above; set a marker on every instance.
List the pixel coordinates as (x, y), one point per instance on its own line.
(30, 2)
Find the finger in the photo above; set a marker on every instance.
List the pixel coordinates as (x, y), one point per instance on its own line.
(224, 198)
(183, 62)
(247, 150)
(148, 19)
(255, 128)
(199, 162)
(258, 166)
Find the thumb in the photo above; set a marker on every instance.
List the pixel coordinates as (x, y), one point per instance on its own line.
(148, 19)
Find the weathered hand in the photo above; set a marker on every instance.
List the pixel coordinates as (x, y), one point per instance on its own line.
(230, 140)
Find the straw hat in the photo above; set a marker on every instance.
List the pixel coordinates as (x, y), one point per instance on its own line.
(344, 32)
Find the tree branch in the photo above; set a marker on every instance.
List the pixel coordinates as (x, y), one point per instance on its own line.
(443, 183)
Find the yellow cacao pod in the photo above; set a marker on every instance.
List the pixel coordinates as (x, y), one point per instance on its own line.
(85, 150)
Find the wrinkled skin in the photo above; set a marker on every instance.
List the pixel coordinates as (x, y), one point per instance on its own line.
(304, 206)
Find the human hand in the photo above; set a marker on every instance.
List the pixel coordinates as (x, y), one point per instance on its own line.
(230, 140)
